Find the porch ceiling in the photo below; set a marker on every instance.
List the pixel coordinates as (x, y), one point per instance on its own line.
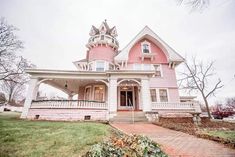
(72, 84)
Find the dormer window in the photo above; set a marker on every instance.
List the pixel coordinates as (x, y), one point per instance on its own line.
(145, 46)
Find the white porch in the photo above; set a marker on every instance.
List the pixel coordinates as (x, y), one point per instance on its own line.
(101, 103)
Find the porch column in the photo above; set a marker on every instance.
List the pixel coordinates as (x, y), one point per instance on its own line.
(31, 95)
(145, 95)
(112, 95)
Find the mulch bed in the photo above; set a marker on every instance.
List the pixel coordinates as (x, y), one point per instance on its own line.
(186, 125)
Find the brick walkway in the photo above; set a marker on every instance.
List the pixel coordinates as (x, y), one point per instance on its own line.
(178, 144)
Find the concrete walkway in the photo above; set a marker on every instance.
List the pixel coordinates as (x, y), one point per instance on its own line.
(177, 144)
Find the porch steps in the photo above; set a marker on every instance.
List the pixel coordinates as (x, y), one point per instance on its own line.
(127, 117)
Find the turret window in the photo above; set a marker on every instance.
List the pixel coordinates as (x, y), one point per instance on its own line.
(145, 46)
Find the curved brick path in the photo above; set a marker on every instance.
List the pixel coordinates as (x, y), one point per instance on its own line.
(177, 144)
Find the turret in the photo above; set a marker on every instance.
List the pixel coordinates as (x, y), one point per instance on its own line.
(102, 44)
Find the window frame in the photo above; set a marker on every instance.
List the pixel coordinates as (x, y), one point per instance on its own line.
(149, 46)
(167, 92)
(90, 93)
(103, 86)
(155, 94)
(158, 98)
(160, 68)
(104, 63)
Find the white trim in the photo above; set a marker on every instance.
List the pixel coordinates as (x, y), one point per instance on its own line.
(149, 46)
(103, 86)
(119, 100)
(157, 90)
(147, 33)
(90, 94)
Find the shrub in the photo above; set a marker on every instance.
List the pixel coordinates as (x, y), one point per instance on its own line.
(127, 146)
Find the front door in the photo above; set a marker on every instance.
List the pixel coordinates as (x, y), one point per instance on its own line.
(126, 100)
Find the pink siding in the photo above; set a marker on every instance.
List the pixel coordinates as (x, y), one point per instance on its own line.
(173, 95)
(136, 52)
(67, 114)
(101, 53)
(168, 79)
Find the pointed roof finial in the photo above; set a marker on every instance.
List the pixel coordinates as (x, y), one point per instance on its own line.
(105, 20)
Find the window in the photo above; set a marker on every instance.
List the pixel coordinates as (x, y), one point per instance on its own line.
(157, 70)
(163, 95)
(145, 46)
(102, 37)
(153, 95)
(99, 65)
(99, 93)
(87, 93)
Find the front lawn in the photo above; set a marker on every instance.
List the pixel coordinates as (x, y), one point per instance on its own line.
(44, 138)
(229, 135)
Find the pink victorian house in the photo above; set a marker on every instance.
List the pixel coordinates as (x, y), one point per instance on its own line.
(136, 82)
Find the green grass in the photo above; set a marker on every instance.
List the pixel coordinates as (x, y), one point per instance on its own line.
(43, 138)
(228, 135)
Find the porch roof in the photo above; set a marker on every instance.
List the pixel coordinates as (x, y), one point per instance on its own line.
(75, 74)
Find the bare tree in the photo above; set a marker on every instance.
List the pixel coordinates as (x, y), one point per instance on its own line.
(14, 86)
(10, 64)
(230, 102)
(196, 78)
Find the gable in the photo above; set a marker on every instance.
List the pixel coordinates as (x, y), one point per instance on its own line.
(147, 33)
(136, 53)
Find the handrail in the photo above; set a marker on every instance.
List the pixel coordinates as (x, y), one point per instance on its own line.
(132, 110)
(78, 104)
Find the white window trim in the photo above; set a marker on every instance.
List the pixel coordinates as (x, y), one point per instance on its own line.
(149, 44)
(94, 91)
(90, 94)
(158, 94)
(155, 94)
(105, 65)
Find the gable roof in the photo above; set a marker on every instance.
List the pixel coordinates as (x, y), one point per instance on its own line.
(147, 33)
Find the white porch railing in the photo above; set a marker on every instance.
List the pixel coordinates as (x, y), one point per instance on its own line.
(177, 106)
(77, 104)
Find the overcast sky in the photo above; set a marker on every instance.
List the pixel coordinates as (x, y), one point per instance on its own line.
(55, 31)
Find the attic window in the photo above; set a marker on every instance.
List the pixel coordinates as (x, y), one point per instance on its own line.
(145, 46)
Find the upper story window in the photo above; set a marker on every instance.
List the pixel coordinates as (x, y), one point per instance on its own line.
(102, 37)
(157, 69)
(145, 46)
(100, 66)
